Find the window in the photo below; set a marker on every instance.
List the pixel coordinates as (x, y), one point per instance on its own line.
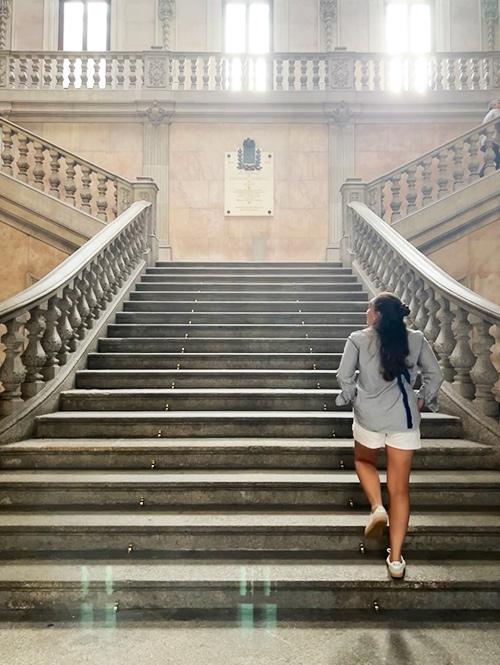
(247, 31)
(408, 30)
(84, 25)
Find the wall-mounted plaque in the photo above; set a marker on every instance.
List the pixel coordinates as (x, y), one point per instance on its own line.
(249, 182)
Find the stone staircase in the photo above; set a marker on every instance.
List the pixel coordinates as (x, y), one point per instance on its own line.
(200, 467)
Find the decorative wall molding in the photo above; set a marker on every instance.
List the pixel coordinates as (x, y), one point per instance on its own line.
(5, 18)
(328, 15)
(342, 114)
(489, 11)
(166, 12)
(156, 113)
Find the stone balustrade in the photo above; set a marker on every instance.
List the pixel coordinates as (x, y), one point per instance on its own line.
(62, 174)
(461, 326)
(437, 173)
(43, 328)
(338, 70)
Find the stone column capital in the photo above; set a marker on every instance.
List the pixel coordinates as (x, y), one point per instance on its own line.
(341, 115)
(156, 114)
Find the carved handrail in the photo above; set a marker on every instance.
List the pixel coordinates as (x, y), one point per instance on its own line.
(456, 321)
(435, 174)
(42, 327)
(176, 70)
(61, 173)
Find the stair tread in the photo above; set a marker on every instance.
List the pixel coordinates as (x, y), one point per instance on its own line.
(147, 478)
(82, 392)
(344, 573)
(419, 520)
(450, 445)
(210, 371)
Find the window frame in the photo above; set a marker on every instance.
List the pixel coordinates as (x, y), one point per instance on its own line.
(247, 3)
(408, 3)
(62, 4)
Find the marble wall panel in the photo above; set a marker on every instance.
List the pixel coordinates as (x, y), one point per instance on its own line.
(191, 25)
(137, 24)
(465, 25)
(303, 25)
(27, 25)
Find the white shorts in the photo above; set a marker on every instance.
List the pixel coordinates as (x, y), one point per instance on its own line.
(409, 440)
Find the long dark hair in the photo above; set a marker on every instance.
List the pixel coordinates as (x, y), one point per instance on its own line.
(392, 333)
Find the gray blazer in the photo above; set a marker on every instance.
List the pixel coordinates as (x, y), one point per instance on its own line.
(380, 405)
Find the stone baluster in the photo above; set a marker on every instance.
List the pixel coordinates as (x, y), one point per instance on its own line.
(462, 359)
(486, 73)
(445, 341)
(474, 164)
(7, 150)
(458, 165)
(51, 341)
(245, 73)
(85, 191)
(96, 281)
(450, 77)
(22, 161)
(109, 72)
(181, 76)
(194, 73)
(12, 72)
(421, 315)
(489, 153)
(35, 72)
(64, 328)
(132, 72)
(303, 74)
(34, 356)
(315, 75)
(427, 186)
(431, 329)
(120, 73)
(38, 169)
(55, 179)
(279, 74)
(398, 284)
(23, 72)
(395, 197)
(218, 73)
(377, 74)
(206, 73)
(388, 272)
(365, 74)
(476, 74)
(96, 76)
(463, 76)
(437, 74)
(483, 373)
(47, 72)
(91, 298)
(81, 291)
(69, 182)
(409, 285)
(85, 72)
(12, 371)
(443, 177)
(119, 262)
(102, 201)
(109, 269)
(74, 317)
(71, 74)
(59, 71)
(411, 193)
(291, 74)
(394, 276)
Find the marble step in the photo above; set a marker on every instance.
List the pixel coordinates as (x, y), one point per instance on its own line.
(206, 378)
(214, 360)
(243, 590)
(158, 294)
(288, 424)
(243, 345)
(240, 269)
(220, 278)
(190, 534)
(243, 318)
(247, 286)
(284, 331)
(254, 265)
(202, 399)
(229, 453)
(257, 489)
(243, 306)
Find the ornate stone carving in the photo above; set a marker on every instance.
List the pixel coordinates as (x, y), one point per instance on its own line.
(490, 17)
(328, 9)
(342, 114)
(166, 10)
(156, 114)
(341, 73)
(5, 13)
(156, 72)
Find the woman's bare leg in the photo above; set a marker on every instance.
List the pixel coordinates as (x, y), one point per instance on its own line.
(398, 479)
(365, 461)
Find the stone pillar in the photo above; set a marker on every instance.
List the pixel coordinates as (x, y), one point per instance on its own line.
(341, 167)
(5, 24)
(156, 146)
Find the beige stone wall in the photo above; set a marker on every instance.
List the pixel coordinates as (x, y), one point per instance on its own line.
(473, 261)
(27, 25)
(381, 147)
(23, 259)
(198, 229)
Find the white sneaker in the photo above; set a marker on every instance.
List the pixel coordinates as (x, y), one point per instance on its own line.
(377, 523)
(396, 568)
